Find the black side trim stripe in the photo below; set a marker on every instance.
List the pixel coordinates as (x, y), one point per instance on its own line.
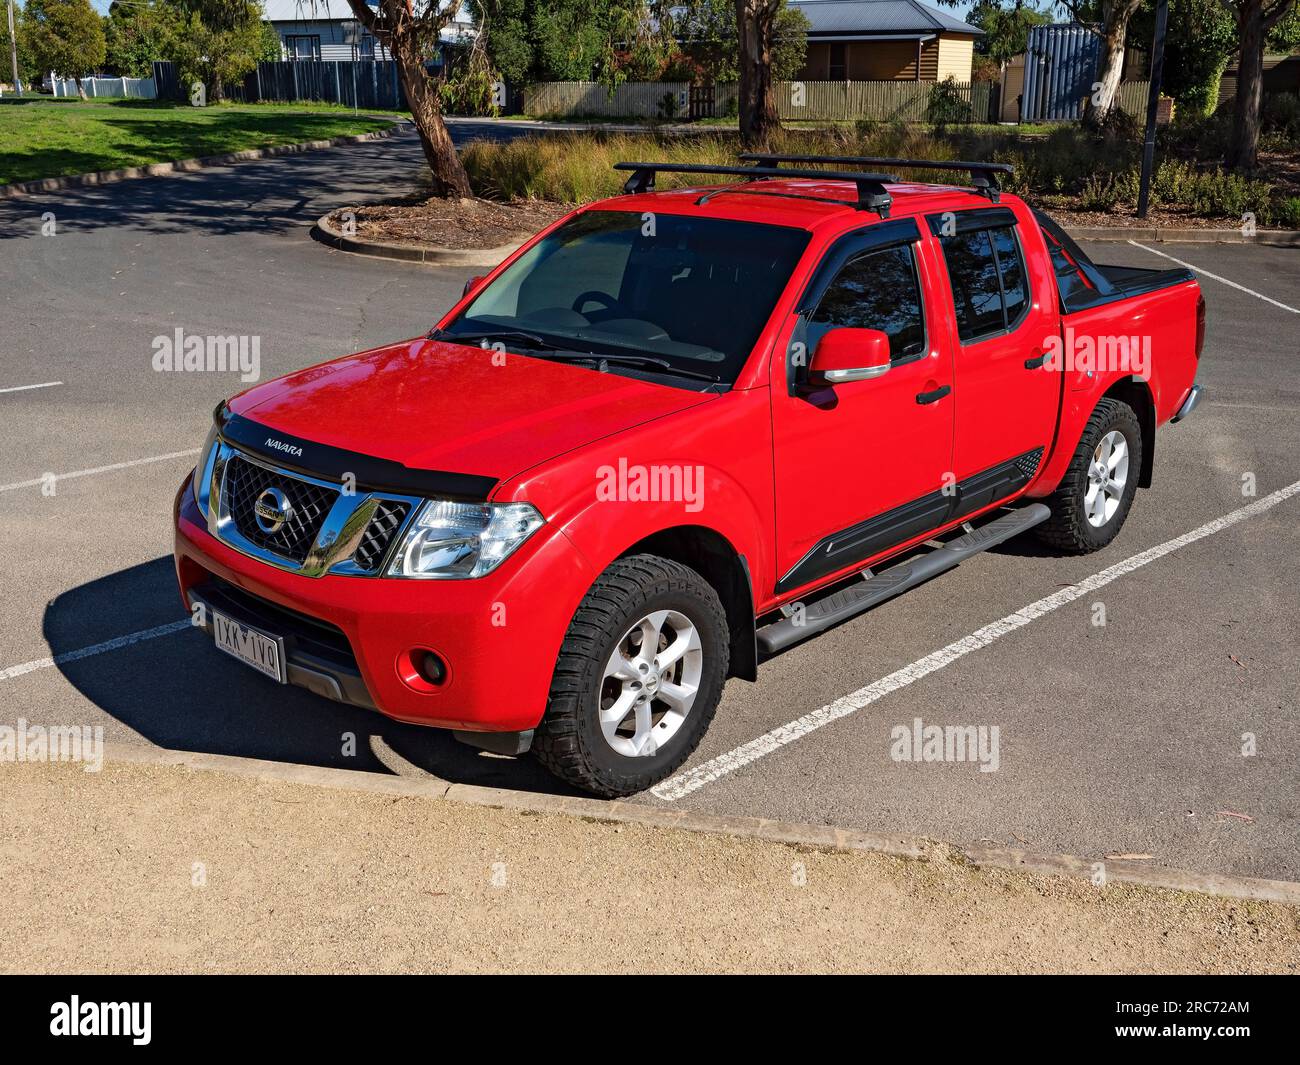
(894, 527)
(332, 463)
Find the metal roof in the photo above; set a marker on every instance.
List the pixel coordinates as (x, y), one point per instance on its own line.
(323, 11)
(871, 18)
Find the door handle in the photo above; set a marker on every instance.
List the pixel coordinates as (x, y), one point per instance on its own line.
(933, 396)
(1036, 361)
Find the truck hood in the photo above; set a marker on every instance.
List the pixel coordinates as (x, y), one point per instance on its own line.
(438, 406)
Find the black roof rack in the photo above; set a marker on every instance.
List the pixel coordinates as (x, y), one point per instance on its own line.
(872, 194)
(984, 176)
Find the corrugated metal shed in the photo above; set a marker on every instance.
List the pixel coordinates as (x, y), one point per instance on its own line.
(1060, 69)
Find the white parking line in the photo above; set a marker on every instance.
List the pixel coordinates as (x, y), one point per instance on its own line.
(715, 768)
(1216, 277)
(94, 649)
(100, 469)
(28, 388)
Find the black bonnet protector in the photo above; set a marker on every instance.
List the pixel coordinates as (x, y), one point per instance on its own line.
(333, 463)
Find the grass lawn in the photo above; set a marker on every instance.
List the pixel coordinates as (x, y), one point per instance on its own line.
(53, 138)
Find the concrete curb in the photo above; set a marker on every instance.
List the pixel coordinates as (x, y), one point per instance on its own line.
(1280, 237)
(103, 177)
(821, 837)
(325, 232)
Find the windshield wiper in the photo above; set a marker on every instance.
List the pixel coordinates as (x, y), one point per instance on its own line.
(632, 360)
(516, 336)
(549, 350)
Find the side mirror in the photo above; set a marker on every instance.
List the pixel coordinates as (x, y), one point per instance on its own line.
(471, 285)
(845, 354)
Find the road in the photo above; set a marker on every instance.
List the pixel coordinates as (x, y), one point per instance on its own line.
(1126, 737)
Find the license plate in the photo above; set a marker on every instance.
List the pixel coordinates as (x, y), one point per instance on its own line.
(261, 650)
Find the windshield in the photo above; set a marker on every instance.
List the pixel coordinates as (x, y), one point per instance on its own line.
(692, 294)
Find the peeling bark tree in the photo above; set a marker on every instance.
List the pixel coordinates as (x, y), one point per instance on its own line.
(755, 27)
(1254, 19)
(410, 29)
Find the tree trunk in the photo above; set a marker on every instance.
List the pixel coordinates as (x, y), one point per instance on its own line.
(449, 178)
(81, 92)
(1110, 62)
(1243, 146)
(755, 20)
(1110, 65)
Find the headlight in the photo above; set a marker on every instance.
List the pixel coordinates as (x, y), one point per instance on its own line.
(452, 540)
(203, 472)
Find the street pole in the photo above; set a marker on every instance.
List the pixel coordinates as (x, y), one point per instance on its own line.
(1153, 104)
(13, 49)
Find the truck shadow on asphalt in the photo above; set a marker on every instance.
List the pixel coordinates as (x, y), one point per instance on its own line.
(179, 692)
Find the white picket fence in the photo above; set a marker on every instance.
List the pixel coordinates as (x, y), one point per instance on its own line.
(107, 88)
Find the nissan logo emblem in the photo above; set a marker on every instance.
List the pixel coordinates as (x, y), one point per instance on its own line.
(272, 510)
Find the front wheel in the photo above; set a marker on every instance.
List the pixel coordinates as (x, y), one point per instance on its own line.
(638, 679)
(1094, 497)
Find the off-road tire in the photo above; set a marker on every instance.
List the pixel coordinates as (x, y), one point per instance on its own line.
(568, 742)
(1068, 529)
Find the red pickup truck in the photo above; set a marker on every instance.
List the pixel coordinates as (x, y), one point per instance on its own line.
(674, 432)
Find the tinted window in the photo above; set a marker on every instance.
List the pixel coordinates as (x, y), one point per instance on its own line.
(1012, 273)
(693, 291)
(1070, 278)
(876, 291)
(988, 281)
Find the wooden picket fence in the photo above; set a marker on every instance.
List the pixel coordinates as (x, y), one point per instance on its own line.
(796, 100)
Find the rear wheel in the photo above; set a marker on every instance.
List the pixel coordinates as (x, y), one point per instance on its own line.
(638, 679)
(1094, 497)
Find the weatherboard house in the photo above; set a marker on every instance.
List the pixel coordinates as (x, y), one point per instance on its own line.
(885, 40)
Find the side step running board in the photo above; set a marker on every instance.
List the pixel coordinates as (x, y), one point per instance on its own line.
(849, 601)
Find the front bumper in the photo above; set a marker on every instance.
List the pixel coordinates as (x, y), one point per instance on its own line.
(350, 638)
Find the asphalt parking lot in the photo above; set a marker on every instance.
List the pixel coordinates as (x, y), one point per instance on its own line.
(1122, 738)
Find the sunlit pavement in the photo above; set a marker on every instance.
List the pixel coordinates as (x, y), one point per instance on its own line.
(1118, 738)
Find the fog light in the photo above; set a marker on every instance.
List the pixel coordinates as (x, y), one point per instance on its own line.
(423, 670)
(430, 667)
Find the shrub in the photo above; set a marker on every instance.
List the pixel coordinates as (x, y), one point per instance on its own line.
(1099, 193)
(946, 104)
(1280, 115)
(1284, 213)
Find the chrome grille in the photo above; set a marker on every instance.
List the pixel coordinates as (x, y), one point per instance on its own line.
(245, 482)
(388, 518)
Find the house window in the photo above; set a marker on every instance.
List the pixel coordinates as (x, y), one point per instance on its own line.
(366, 47)
(302, 46)
(838, 69)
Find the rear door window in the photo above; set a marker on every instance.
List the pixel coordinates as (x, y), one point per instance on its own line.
(989, 289)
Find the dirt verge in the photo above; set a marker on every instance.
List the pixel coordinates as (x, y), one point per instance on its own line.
(165, 869)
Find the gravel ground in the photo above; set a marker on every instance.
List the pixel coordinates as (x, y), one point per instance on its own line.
(303, 879)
